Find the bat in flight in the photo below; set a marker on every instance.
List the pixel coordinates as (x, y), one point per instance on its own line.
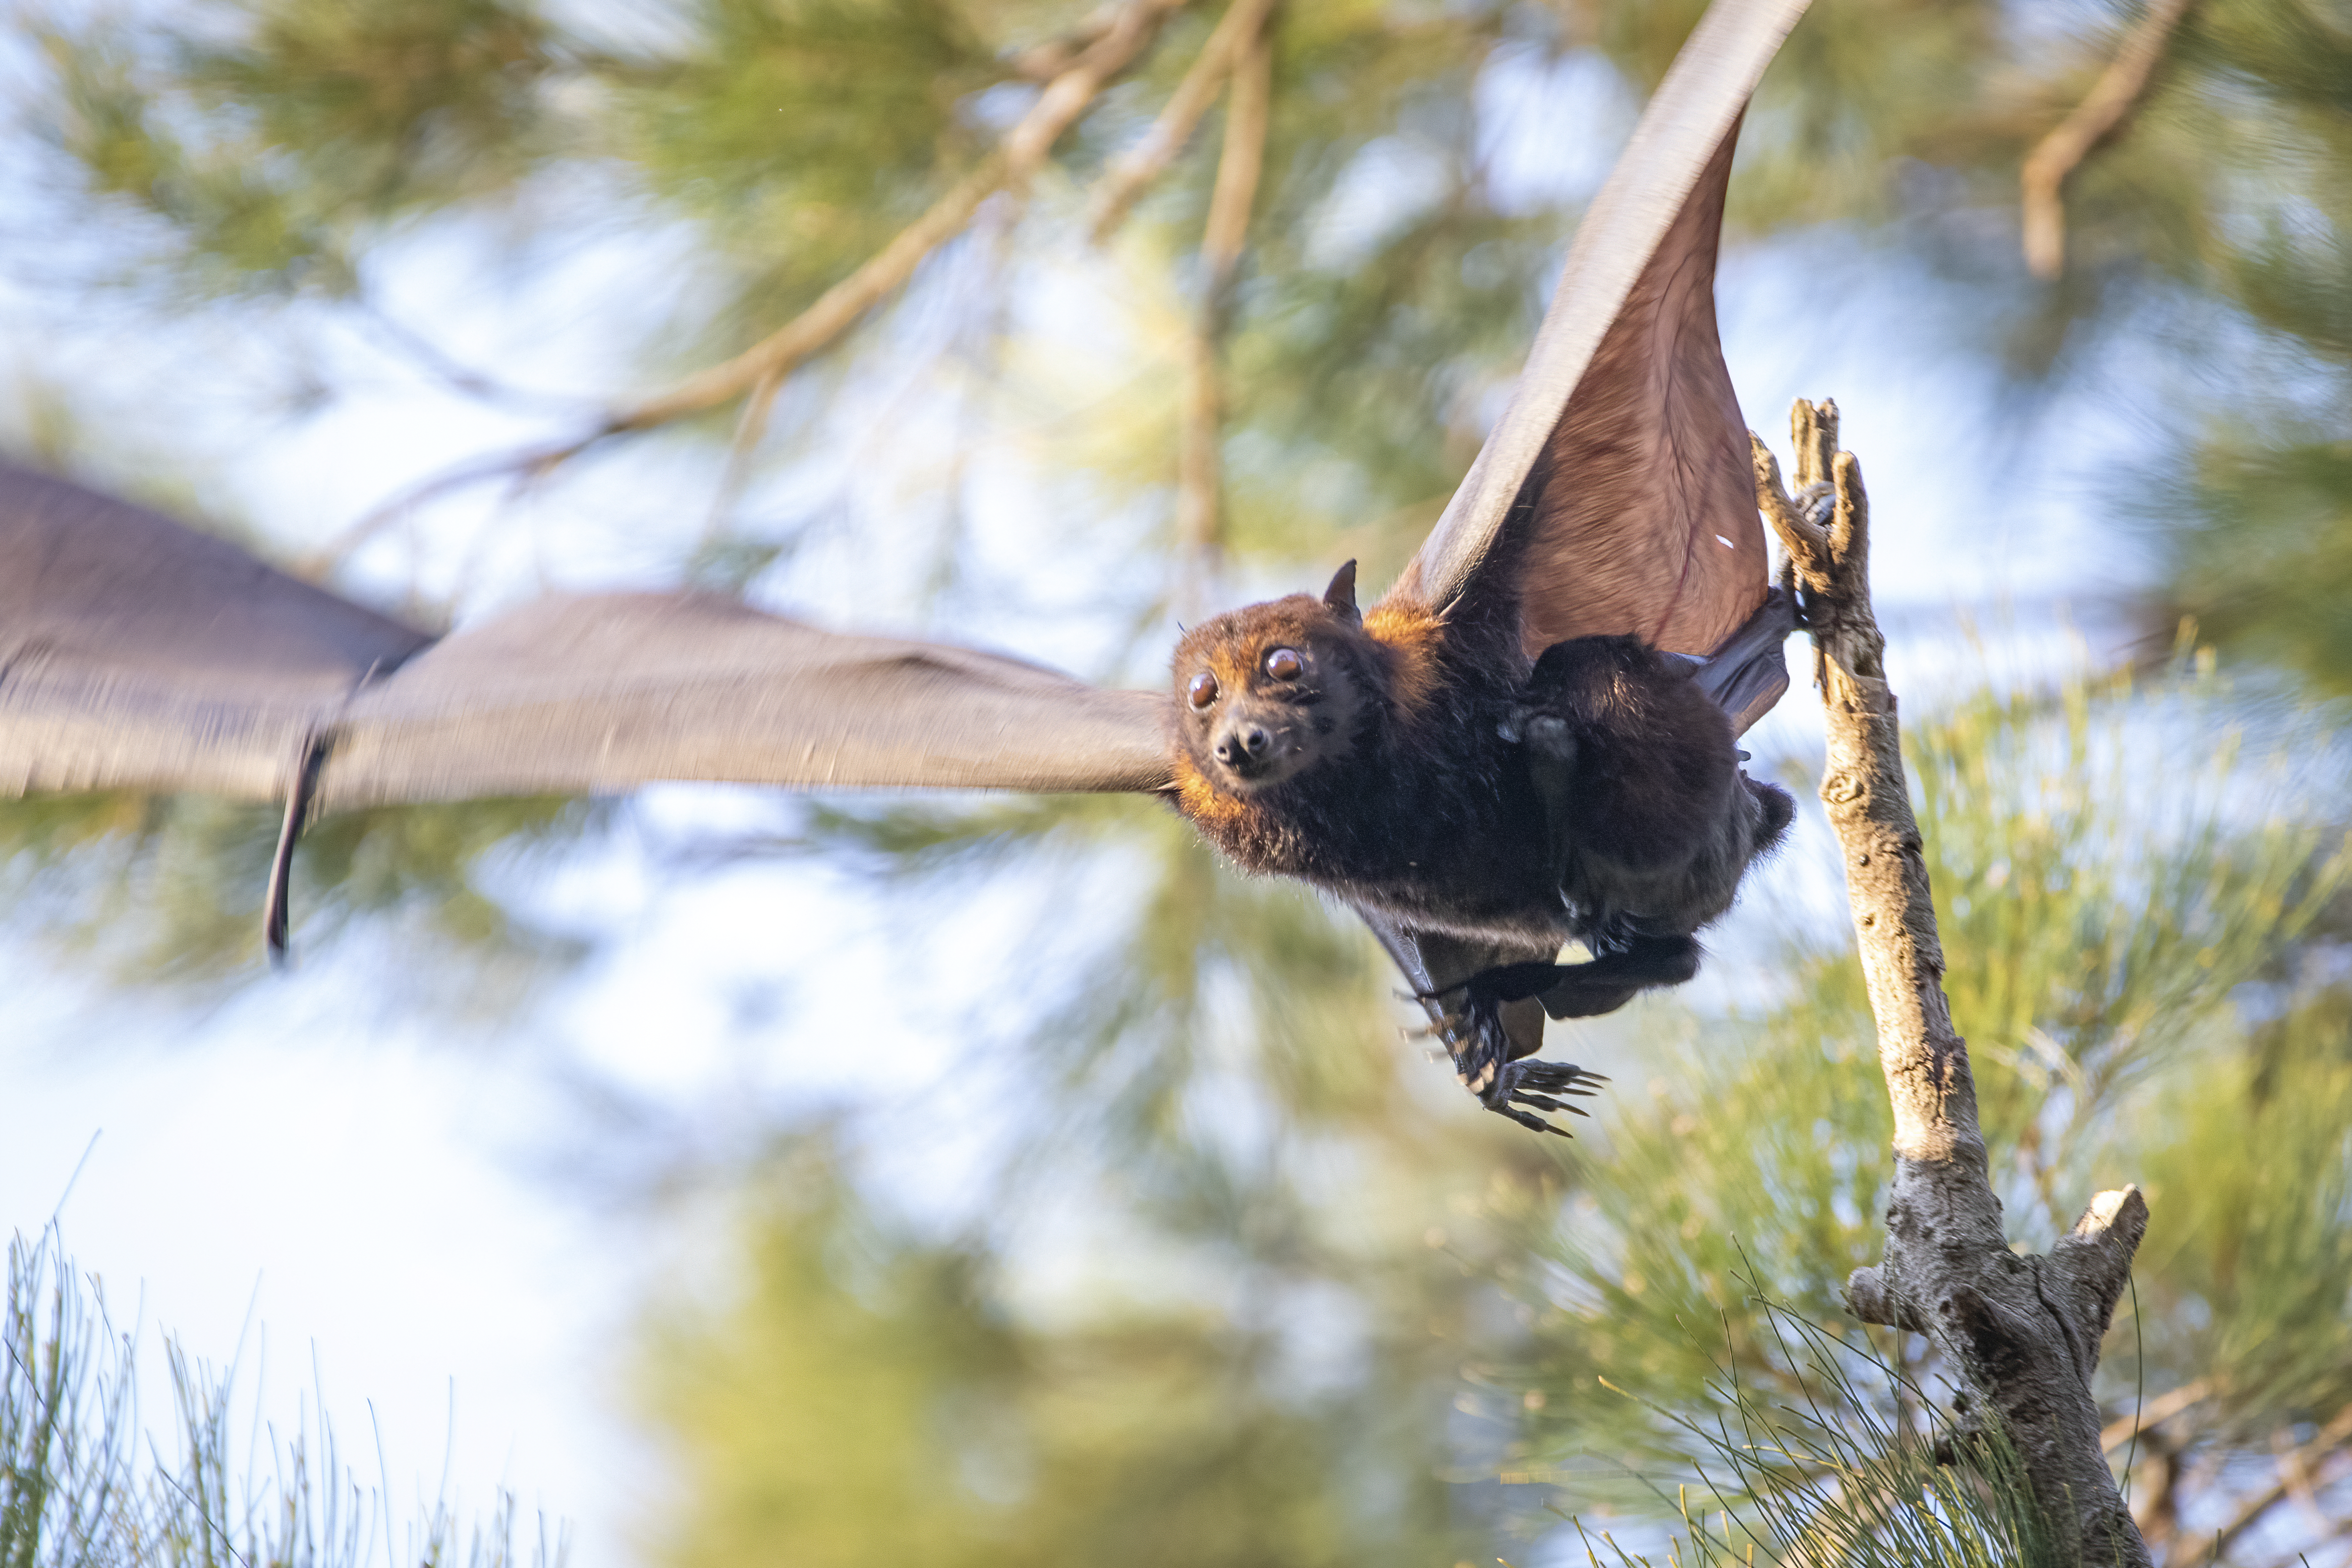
(1529, 740)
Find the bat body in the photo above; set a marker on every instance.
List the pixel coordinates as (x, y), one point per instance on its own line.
(1529, 740)
(1421, 769)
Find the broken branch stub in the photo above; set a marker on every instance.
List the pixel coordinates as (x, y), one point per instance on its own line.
(2022, 1332)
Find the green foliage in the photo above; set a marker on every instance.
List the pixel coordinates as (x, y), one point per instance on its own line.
(1819, 1479)
(2267, 564)
(83, 1485)
(2249, 1280)
(869, 1397)
(800, 136)
(169, 889)
(276, 153)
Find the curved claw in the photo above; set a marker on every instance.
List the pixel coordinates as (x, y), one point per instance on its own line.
(1533, 1084)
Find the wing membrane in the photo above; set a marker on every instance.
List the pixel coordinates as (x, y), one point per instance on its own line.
(588, 695)
(1615, 494)
(136, 653)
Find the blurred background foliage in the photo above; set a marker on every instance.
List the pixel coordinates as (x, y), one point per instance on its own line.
(1236, 1281)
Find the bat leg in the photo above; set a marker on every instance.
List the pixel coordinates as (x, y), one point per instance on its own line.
(1581, 990)
(273, 921)
(1609, 982)
(1587, 990)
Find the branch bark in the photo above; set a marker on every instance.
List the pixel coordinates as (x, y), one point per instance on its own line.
(1200, 479)
(2024, 1331)
(1018, 154)
(1132, 174)
(2099, 116)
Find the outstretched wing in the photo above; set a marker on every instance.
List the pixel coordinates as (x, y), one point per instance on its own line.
(135, 653)
(1616, 495)
(589, 695)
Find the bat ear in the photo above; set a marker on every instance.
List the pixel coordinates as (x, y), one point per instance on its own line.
(1340, 598)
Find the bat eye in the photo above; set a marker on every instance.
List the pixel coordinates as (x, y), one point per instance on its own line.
(1283, 664)
(1201, 691)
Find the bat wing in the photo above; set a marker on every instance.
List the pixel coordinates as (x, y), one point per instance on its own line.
(135, 653)
(1616, 496)
(591, 695)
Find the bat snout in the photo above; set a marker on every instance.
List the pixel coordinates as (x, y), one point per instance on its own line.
(1243, 746)
(1255, 751)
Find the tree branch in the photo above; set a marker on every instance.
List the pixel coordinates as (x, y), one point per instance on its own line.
(2023, 1332)
(2099, 116)
(1199, 477)
(1017, 155)
(1132, 174)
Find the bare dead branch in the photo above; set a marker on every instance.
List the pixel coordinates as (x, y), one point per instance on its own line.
(1017, 155)
(2023, 1332)
(1199, 477)
(2098, 117)
(1134, 171)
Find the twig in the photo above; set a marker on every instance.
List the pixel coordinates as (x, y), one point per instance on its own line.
(1017, 156)
(1132, 174)
(454, 373)
(748, 428)
(2099, 116)
(1198, 478)
(2022, 1332)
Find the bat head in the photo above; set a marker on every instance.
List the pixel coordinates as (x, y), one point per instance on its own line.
(1265, 692)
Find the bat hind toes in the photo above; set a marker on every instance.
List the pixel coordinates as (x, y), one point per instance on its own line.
(1527, 1090)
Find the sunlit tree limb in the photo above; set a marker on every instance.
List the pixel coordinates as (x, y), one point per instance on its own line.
(1200, 476)
(2024, 1332)
(2099, 116)
(1123, 184)
(1016, 157)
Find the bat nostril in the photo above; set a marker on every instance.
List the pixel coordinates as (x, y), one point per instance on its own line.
(1257, 741)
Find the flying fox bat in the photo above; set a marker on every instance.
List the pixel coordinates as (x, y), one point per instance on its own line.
(1529, 739)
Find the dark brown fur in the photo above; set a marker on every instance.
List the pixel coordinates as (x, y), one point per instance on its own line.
(1433, 776)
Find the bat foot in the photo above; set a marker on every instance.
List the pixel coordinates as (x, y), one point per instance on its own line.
(1528, 1089)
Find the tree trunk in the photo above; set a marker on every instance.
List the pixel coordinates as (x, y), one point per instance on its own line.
(2024, 1331)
